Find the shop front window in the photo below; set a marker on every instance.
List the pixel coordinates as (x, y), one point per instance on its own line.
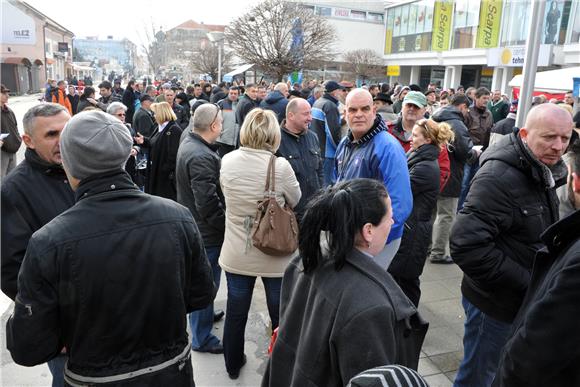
(409, 27)
(575, 24)
(516, 22)
(465, 22)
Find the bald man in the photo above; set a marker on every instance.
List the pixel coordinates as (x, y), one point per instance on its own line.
(277, 100)
(369, 151)
(301, 148)
(512, 200)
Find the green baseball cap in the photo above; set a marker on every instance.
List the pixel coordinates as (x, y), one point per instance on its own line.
(416, 98)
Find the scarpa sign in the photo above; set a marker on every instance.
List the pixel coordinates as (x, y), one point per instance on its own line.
(489, 23)
(442, 25)
(17, 27)
(516, 56)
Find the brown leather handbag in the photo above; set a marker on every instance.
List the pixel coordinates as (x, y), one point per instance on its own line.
(275, 230)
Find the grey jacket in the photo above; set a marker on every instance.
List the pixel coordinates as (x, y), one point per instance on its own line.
(330, 332)
(231, 129)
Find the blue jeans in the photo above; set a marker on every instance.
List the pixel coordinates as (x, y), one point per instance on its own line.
(56, 367)
(240, 290)
(468, 172)
(201, 321)
(328, 168)
(483, 341)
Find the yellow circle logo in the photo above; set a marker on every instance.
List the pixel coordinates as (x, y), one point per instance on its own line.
(506, 56)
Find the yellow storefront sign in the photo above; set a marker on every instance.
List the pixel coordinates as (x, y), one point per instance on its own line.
(389, 41)
(489, 24)
(393, 71)
(442, 25)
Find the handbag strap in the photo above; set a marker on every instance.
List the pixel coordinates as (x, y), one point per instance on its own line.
(271, 175)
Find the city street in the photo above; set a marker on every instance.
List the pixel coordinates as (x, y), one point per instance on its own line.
(440, 305)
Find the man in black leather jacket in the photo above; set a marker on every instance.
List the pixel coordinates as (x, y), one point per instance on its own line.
(512, 200)
(112, 278)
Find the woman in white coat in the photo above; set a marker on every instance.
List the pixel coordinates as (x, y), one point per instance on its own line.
(243, 179)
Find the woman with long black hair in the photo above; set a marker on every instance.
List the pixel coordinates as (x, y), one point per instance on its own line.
(340, 311)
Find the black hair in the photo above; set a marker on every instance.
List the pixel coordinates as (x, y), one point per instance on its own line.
(459, 99)
(340, 210)
(234, 88)
(105, 85)
(87, 92)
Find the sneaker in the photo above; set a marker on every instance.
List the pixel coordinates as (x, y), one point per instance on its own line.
(441, 259)
(216, 349)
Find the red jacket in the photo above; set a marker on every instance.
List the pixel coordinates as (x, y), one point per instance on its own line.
(396, 129)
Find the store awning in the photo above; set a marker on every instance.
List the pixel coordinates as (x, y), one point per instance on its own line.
(13, 60)
(554, 81)
(242, 69)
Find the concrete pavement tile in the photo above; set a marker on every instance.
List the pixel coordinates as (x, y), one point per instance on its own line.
(433, 320)
(439, 380)
(451, 375)
(435, 291)
(453, 285)
(450, 311)
(427, 367)
(441, 340)
(13, 375)
(437, 271)
(447, 362)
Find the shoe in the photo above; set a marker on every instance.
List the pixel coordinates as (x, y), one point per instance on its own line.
(236, 374)
(215, 349)
(441, 259)
(218, 315)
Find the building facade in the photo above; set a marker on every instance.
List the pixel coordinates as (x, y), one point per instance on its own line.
(34, 48)
(475, 42)
(118, 55)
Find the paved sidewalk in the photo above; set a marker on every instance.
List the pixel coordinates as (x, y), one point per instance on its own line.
(442, 350)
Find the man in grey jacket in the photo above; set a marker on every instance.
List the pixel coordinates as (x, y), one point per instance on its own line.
(198, 188)
(229, 138)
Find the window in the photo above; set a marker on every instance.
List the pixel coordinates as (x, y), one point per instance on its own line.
(465, 22)
(377, 17)
(515, 22)
(575, 24)
(359, 15)
(324, 11)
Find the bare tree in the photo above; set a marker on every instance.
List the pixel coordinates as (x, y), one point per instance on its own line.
(264, 36)
(207, 61)
(153, 46)
(364, 63)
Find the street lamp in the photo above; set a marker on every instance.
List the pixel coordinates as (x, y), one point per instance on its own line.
(217, 37)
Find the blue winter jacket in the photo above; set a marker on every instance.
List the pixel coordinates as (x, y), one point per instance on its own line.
(378, 155)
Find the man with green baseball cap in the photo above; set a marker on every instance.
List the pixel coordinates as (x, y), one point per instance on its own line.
(413, 110)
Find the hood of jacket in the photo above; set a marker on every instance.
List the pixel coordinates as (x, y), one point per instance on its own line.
(447, 113)
(274, 97)
(511, 150)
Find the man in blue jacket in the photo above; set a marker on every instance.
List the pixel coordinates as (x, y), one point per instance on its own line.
(369, 151)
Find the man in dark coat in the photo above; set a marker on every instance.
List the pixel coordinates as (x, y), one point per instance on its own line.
(545, 347)
(277, 100)
(107, 96)
(10, 144)
(34, 193)
(460, 152)
(326, 124)
(129, 101)
(512, 200)
(301, 148)
(80, 289)
(143, 120)
(505, 126)
(198, 188)
(246, 103)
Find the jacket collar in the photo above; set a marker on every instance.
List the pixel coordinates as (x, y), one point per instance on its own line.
(559, 235)
(104, 182)
(42, 165)
(252, 150)
(197, 137)
(293, 135)
(425, 152)
(329, 97)
(402, 307)
(378, 126)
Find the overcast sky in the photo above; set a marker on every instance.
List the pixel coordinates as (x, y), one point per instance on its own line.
(128, 18)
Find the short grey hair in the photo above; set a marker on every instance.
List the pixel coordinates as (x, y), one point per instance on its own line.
(204, 116)
(317, 89)
(114, 107)
(43, 110)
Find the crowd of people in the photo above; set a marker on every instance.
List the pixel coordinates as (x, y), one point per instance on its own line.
(118, 223)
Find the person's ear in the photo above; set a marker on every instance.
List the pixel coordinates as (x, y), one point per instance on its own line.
(28, 141)
(523, 134)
